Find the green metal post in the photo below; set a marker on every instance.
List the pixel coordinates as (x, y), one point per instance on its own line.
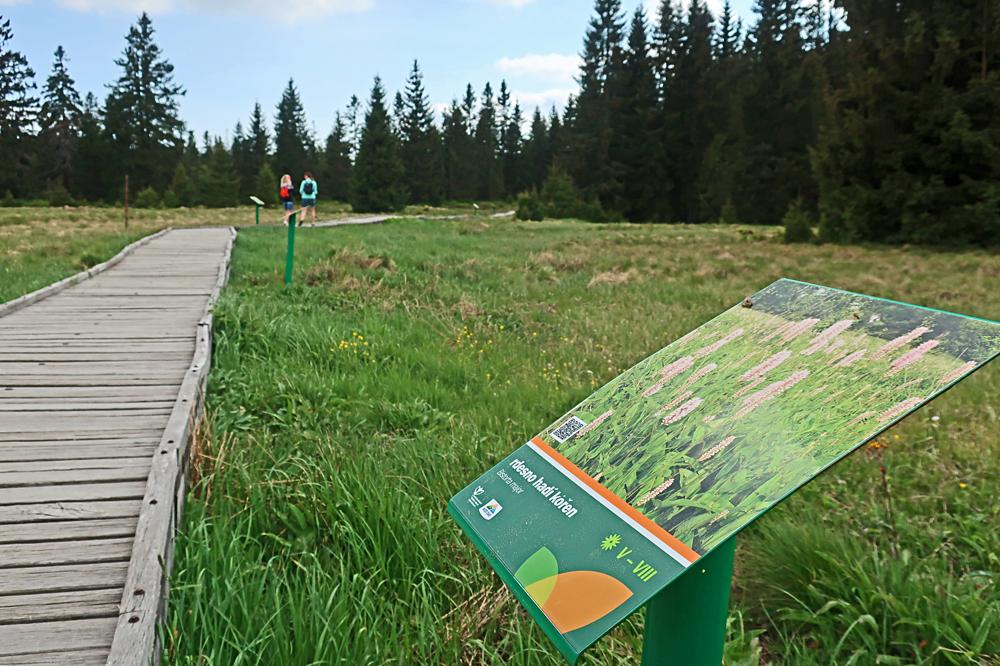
(290, 256)
(686, 623)
(258, 215)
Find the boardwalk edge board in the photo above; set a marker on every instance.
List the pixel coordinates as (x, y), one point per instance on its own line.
(144, 598)
(22, 302)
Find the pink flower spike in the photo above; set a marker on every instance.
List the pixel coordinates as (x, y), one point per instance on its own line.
(716, 346)
(682, 411)
(596, 422)
(651, 495)
(653, 390)
(770, 393)
(958, 373)
(717, 449)
(676, 401)
(895, 412)
(851, 359)
(901, 341)
(677, 367)
(912, 356)
(824, 338)
(699, 373)
(766, 367)
(798, 329)
(835, 346)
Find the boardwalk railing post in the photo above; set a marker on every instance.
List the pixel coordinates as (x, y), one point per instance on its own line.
(686, 622)
(290, 254)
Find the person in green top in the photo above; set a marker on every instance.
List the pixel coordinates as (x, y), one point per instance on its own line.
(308, 189)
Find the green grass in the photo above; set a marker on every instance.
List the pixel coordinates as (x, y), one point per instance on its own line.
(410, 356)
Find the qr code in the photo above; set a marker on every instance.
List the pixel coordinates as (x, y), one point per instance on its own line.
(568, 429)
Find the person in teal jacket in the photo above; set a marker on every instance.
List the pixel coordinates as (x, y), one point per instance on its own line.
(308, 190)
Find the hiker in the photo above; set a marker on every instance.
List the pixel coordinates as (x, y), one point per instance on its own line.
(286, 193)
(308, 190)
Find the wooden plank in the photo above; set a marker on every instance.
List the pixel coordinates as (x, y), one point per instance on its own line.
(19, 423)
(167, 392)
(110, 462)
(85, 436)
(94, 492)
(62, 578)
(50, 405)
(69, 530)
(87, 657)
(67, 476)
(40, 637)
(48, 553)
(61, 511)
(51, 606)
(74, 451)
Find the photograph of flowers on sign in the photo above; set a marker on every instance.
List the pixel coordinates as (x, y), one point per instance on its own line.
(718, 427)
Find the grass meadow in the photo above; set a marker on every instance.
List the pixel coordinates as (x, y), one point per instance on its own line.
(408, 357)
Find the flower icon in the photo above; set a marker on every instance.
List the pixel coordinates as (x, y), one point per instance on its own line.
(611, 542)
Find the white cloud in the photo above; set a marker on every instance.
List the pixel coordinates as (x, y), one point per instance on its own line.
(287, 14)
(544, 99)
(552, 68)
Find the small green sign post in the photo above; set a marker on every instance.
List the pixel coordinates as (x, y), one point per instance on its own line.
(634, 497)
(258, 204)
(686, 623)
(290, 252)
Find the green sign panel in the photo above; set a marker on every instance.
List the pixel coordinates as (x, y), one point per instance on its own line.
(602, 510)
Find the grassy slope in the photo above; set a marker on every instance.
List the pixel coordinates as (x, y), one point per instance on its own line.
(345, 411)
(39, 246)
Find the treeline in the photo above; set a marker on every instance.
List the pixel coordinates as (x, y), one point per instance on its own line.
(869, 120)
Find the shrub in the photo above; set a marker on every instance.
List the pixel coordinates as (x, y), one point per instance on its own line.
(58, 195)
(148, 198)
(530, 207)
(8, 200)
(171, 200)
(728, 214)
(798, 223)
(561, 198)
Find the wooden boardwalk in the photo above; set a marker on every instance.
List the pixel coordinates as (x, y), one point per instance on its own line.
(99, 384)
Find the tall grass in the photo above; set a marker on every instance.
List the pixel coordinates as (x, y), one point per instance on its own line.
(408, 357)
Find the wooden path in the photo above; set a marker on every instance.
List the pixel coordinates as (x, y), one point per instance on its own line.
(99, 385)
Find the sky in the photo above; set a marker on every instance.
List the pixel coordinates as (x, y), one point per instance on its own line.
(229, 54)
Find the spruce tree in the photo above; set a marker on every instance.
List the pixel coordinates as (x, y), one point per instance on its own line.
(379, 174)
(633, 150)
(267, 185)
(17, 113)
(337, 166)
(182, 187)
(511, 148)
(909, 149)
(59, 123)
(293, 145)
(258, 138)
(536, 155)
(141, 112)
(218, 186)
(590, 138)
(421, 143)
(487, 164)
(93, 180)
(458, 154)
(353, 120)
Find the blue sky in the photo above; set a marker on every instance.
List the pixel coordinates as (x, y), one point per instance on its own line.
(232, 53)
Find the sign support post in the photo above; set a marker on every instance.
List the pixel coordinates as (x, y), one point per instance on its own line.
(686, 622)
(258, 203)
(290, 253)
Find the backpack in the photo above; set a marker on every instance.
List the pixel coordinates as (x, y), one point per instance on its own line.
(308, 188)
(283, 193)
